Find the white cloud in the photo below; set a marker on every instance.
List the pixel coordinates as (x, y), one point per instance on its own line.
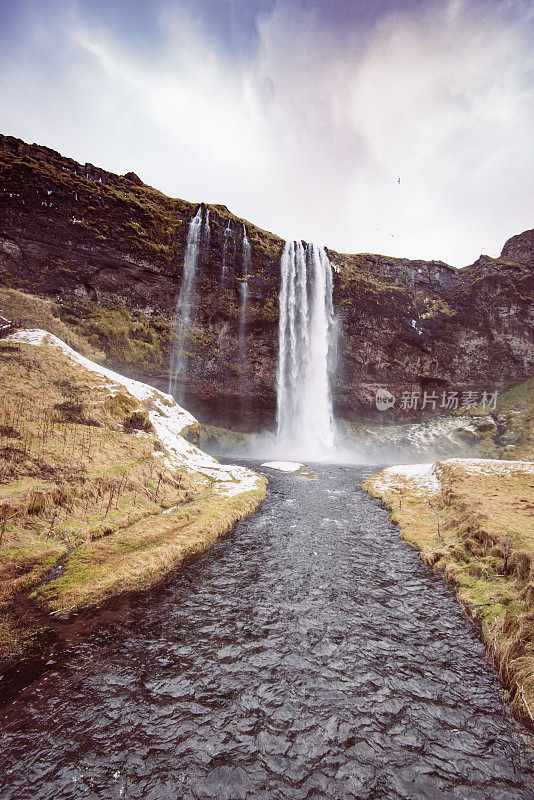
(440, 100)
(309, 136)
(445, 108)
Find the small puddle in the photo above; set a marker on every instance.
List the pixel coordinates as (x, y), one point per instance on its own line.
(57, 570)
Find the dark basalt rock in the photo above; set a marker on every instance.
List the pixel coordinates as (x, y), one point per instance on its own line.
(94, 239)
(520, 248)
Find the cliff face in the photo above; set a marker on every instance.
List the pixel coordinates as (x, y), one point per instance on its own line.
(110, 249)
(434, 327)
(520, 248)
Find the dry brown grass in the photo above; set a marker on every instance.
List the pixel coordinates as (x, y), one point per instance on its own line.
(77, 481)
(486, 549)
(38, 312)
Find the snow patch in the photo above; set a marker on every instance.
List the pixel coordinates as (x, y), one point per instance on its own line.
(167, 417)
(490, 466)
(283, 466)
(425, 479)
(141, 391)
(421, 477)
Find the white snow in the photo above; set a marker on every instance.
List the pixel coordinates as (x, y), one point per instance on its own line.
(168, 418)
(426, 478)
(421, 478)
(490, 466)
(283, 466)
(164, 403)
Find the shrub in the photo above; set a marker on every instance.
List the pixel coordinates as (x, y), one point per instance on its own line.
(138, 421)
(73, 411)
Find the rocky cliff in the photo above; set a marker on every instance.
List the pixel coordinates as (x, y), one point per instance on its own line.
(109, 250)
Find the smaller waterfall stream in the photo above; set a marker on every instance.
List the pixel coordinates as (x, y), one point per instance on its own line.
(306, 339)
(198, 237)
(205, 232)
(247, 255)
(246, 267)
(228, 248)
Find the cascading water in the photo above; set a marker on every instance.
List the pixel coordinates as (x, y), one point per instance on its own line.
(247, 254)
(197, 238)
(306, 342)
(243, 286)
(228, 246)
(205, 232)
(247, 266)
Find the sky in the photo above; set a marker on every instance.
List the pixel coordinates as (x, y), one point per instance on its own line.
(400, 127)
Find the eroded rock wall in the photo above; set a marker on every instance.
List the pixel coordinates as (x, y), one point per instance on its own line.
(110, 249)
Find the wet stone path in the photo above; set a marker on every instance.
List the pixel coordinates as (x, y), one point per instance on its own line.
(308, 655)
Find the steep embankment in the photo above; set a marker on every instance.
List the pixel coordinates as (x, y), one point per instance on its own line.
(99, 491)
(473, 520)
(109, 250)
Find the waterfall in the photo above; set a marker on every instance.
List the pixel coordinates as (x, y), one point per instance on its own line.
(198, 237)
(205, 232)
(306, 351)
(246, 267)
(247, 254)
(243, 286)
(228, 242)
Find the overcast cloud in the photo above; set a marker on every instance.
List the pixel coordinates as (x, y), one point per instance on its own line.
(301, 117)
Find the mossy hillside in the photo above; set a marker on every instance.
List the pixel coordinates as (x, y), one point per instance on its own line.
(118, 211)
(43, 312)
(518, 398)
(358, 271)
(485, 548)
(123, 339)
(140, 344)
(130, 339)
(516, 407)
(369, 291)
(82, 481)
(378, 274)
(508, 431)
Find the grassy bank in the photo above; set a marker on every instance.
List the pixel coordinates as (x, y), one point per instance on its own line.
(473, 521)
(99, 494)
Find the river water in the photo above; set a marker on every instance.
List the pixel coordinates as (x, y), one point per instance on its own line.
(310, 654)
